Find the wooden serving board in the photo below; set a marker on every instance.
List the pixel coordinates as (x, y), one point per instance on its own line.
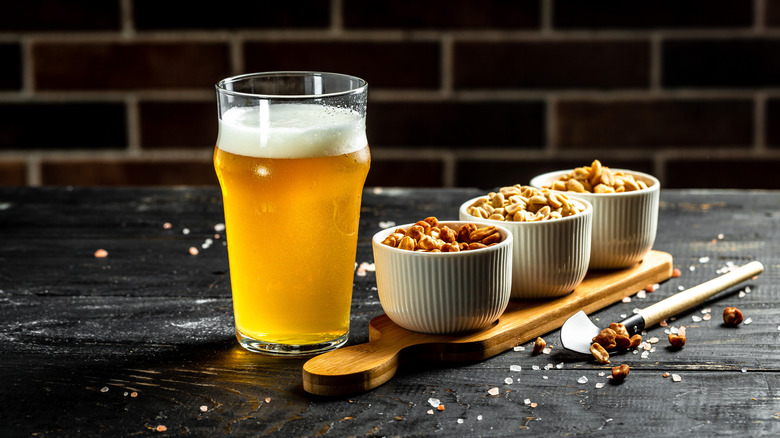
(362, 367)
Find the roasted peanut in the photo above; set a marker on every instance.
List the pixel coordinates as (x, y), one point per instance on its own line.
(619, 329)
(622, 342)
(635, 340)
(523, 204)
(597, 178)
(606, 338)
(676, 341)
(599, 353)
(620, 372)
(427, 236)
(732, 316)
(539, 345)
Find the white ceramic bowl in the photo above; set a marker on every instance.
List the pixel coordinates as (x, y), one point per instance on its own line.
(550, 258)
(443, 292)
(624, 224)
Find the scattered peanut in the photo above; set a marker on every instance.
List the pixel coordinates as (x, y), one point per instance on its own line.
(635, 340)
(430, 236)
(524, 204)
(539, 345)
(601, 355)
(677, 340)
(596, 178)
(620, 372)
(619, 329)
(732, 316)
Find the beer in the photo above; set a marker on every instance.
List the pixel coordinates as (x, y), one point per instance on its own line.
(292, 176)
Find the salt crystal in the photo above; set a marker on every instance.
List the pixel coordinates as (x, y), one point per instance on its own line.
(645, 354)
(430, 412)
(527, 401)
(636, 310)
(386, 224)
(559, 366)
(599, 385)
(696, 318)
(692, 268)
(601, 373)
(167, 226)
(626, 299)
(435, 402)
(747, 321)
(653, 340)
(185, 231)
(663, 323)
(479, 417)
(516, 368)
(778, 328)
(220, 227)
(582, 379)
(623, 316)
(721, 236)
(204, 408)
(680, 287)
(744, 370)
(104, 389)
(547, 350)
(706, 317)
(747, 289)
(676, 377)
(193, 250)
(268, 399)
(742, 294)
(704, 259)
(548, 367)
(535, 367)
(125, 394)
(493, 391)
(460, 421)
(642, 294)
(519, 348)
(545, 377)
(508, 380)
(707, 310)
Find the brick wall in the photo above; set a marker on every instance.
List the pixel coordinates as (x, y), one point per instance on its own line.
(476, 93)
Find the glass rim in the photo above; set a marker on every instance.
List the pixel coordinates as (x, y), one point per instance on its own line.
(220, 86)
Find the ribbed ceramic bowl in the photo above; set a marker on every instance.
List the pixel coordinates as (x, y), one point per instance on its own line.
(550, 258)
(443, 292)
(624, 224)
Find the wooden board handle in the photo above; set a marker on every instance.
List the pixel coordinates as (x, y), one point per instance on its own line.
(685, 300)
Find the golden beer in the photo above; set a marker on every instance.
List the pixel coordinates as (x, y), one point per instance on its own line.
(292, 178)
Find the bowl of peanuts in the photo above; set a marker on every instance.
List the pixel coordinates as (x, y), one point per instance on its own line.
(552, 237)
(625, 210)
(443, 277)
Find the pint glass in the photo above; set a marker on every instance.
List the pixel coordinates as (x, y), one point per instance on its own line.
(291, 158)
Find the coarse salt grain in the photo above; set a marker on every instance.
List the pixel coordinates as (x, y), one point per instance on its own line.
(519, 348)
(527, 401)
(547, 350)
(744, 370)
(479, 417)
(516, 368)
(626, 299)
(747, 321)
(642, 294)
(545, 377)
(435, 402)
(167, 226)
(663, 323)
(430, 411)
(204, 408)
(696, 318)
(680, 287)
(493, 391)
(535, 367)
(386, 224)
(185, 231)
(645, 354)
(582, 380)
(676, 377)
(101, 253)
(599, 385)
(508, 380)
(193, 251)
(601, 373)
(692, 268)
(706, 317)
(220, 227)
(268, 399)
(559, 366)
(704, 259)
(653, 340)
(460, 421)
(104, 389)
(161, 428)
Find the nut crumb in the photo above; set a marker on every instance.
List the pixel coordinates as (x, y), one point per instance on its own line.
(666, 374)
(204, 408)
(493, 391)
(160, 428)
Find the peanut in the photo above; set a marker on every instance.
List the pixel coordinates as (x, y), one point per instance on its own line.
(596, 178)
(620, 372)
(606, 338)
(619, 329)
(523, 204)
(732, 316)
(539, 345)
(599, 353)
(429, 236)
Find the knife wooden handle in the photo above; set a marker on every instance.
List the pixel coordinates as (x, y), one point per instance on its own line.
(696, 295)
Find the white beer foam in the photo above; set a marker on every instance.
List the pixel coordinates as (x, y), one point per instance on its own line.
(291, 131)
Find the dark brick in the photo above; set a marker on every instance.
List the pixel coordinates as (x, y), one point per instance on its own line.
(442, 14)
(456, 124)
(552, 64)
(53, 15)
(128, 173)
(491, 174)
(619, 14)
(384, 65)
(405, 173)
(62, 126)
(724, 63)
(655, 123)
(230, 14)
(178, 124)
(772, 13)
(102, 66)
(11, 73)
(742, 173)
(773, 123)
(13, 173)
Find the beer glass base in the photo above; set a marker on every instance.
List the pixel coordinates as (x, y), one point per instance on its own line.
(289, 350)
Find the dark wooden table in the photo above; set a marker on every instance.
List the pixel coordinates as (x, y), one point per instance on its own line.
(142, 340)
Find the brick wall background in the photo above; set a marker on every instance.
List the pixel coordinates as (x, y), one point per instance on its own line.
(477, 93)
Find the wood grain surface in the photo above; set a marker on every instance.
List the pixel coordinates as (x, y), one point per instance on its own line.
(79, 335)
